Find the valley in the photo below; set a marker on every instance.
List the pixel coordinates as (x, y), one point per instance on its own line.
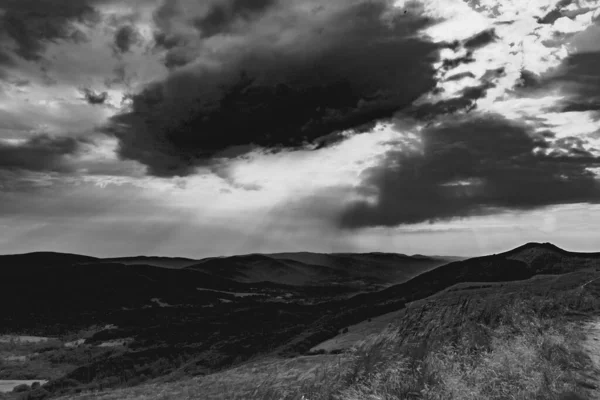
(106, 325)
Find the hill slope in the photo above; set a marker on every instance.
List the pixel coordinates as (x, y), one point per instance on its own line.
(163, 262)
(174, 329)
(374, 269)
(518, 337)
(518, 264)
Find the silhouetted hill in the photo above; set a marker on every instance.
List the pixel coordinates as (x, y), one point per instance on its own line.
(164, 262)
(548, 258)
(298, 269)
(23, 266)
(303, 268)
(44, 257)
(319, 269)
(518, 264)
(221, 311)
(259, 268)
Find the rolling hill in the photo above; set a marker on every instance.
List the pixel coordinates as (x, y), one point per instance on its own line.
(200, 318)
(518, 264)
(376, 269)
(163, 262)
(372, 270)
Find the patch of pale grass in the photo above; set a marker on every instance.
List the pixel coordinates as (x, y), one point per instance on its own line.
(533, 364)
(526, 352)
(514, 369)
(268, 379)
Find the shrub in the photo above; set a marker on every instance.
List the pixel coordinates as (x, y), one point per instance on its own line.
(21, 388)
(37, 394)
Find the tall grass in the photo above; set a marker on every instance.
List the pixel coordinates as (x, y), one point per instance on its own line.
(507, 347)
(529, 352)
(539, 362)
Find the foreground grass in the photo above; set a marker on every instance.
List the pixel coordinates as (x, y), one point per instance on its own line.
(512, 346)
(263, 378)
(538, 362)
(517, 345)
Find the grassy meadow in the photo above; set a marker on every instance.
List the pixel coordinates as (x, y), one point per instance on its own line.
(520, 340)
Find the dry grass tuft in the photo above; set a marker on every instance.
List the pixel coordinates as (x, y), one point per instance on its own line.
(524, 349)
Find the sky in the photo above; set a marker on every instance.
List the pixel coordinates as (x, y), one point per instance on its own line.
(219, 127)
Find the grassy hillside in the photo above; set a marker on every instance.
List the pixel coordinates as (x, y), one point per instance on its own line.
(361, 271)
(509, 340)
(163, 262)
(159, 324)
(522, 263)
(134, 322)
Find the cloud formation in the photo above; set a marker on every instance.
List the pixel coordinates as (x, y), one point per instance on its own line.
(94, 98)
(579, 78)
(519, 136)
(222, 15)
(27, 26)
(474, 165)
(481, 39)
(125, 38)
(508, 112)
(287, 82)
(39, 153)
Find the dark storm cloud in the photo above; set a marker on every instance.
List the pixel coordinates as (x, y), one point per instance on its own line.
(164, 37)
(465, 101)
(126, 37)
(5, 58)
(31, 24)
(555, 13)
(222, 15)
(481, 39)
(560, 11)
(581, 75)
(473, 166)
(451, 63)
(577, 78)
(528, 80)
(459, 76)
(362, 65)
(94, 98)
(41, 153)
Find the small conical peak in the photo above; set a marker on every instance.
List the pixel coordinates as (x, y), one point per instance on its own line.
(537, 245)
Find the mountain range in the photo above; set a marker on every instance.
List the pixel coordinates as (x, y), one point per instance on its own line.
(206, 315)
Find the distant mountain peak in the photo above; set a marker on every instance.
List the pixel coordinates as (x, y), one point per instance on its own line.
(250, 257)
(547, 246)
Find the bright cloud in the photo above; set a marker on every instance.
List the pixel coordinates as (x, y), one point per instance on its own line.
(262, 122)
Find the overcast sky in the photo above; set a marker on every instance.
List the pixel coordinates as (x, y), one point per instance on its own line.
(216, 127)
